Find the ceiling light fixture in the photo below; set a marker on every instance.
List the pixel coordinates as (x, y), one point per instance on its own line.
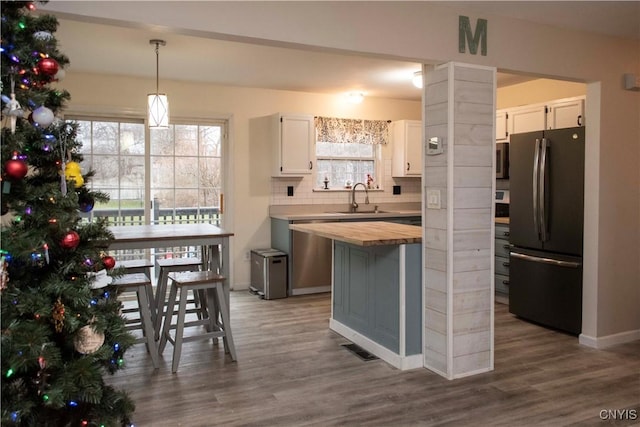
(355, 97)
(158, 102)
(417, 79)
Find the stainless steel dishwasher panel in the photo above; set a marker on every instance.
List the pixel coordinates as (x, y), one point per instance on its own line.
(310, 262)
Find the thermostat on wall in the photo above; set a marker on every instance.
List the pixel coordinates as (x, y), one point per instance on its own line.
(434, 146)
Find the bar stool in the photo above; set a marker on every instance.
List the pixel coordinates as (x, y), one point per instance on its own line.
(207, 281)
(168, 265)
(141, 265)
(141, 284)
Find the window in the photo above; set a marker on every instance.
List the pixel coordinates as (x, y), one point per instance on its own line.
(343, 162)
(186, 166)
(115, 151)
(347, 150)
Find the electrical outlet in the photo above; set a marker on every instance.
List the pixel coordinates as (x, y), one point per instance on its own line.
(247, 256)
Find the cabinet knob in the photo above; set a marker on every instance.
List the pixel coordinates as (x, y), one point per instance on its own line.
(580, 120)
(505, 233)
(408, 166)
(310, 165)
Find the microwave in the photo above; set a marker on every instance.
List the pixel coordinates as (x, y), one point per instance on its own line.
(502, 160)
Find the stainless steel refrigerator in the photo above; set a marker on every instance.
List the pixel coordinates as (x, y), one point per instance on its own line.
(546, 227)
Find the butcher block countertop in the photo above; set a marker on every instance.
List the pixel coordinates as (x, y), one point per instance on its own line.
(364, 233)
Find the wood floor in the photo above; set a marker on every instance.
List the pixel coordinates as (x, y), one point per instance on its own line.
(293, 371)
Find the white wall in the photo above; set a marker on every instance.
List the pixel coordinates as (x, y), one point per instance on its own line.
(427, 32)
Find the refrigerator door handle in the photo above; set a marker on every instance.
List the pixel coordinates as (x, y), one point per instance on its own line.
(543, 260)
(536, 178)
(542, 203)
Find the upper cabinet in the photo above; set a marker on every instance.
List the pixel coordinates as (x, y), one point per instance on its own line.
(406, 137)
(502, 131)
(291, 139)
(527, 119)
(561, 113)
(565, 113)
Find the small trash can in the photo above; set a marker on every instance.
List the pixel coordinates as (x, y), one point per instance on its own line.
(269, 273)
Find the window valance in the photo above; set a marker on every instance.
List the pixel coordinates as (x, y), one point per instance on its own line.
(331, 129)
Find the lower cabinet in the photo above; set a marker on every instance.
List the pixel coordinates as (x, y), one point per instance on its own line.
(371, 299)
(502, 262)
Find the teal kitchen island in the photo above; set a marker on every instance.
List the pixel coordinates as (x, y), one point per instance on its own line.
(376, 289)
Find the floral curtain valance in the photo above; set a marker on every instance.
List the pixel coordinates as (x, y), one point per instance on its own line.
(331, 129)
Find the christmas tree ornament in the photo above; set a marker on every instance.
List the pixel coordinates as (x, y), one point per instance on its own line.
(48, 66)
(98, 280)
(109, 262)
(72, 172)
(57, 314)
(15, 168)
(71, 240)
(4, 273)
(13, 110)
(87, 340)
(42, 116)
(43, 35)
(85, 201)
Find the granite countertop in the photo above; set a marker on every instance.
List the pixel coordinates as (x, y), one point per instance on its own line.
(364, 233)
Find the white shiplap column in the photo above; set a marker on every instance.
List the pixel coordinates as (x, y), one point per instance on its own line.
(459, 109)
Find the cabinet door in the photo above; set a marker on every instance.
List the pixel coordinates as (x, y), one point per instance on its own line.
(406, 136)
(527, 119)
(565, 114)
(502, 132)
(296, 144)
(413, 148)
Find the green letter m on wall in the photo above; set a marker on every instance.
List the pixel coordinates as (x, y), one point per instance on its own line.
(466, 35)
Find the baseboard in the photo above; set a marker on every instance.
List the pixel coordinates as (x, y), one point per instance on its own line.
(400, 362)
(609, 340)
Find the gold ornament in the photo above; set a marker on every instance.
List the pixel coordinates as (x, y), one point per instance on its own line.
(72, 172)
(88, 341)
(57, 313)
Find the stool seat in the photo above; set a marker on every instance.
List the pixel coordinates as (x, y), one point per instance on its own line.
(212, 284)
(177, 262)
(168, 265)
(131, 264)
(141, 284)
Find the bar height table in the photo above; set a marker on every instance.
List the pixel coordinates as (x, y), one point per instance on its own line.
(213, 240)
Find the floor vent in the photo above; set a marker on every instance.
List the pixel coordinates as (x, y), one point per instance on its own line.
(360, 352)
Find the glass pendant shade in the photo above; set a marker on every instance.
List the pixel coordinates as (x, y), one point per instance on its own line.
(158, 110)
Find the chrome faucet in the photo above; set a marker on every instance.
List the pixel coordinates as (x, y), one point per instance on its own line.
(354, 205)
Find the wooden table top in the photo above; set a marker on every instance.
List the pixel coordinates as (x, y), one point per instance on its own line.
(364, 233)
(166, 232)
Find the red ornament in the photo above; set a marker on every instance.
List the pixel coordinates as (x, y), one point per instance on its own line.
(109, 262)
(48, 66)
(71, 240)
(15, 168)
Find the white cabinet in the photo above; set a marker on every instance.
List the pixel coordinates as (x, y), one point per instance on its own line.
(406, 137)
(565, 113)
(502, 132)
(527, 119)
(556, 114)
(290, 139)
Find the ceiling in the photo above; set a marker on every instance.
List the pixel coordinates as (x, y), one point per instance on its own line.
(104, 48)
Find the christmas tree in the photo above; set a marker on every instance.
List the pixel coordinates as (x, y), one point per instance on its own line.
(62, 331)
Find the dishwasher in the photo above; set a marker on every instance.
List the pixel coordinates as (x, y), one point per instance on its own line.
(310, 262)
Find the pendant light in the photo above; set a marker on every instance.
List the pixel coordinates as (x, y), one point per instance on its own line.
(158, 102)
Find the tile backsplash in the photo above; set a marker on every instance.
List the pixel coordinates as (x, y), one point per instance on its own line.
(304, 191)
